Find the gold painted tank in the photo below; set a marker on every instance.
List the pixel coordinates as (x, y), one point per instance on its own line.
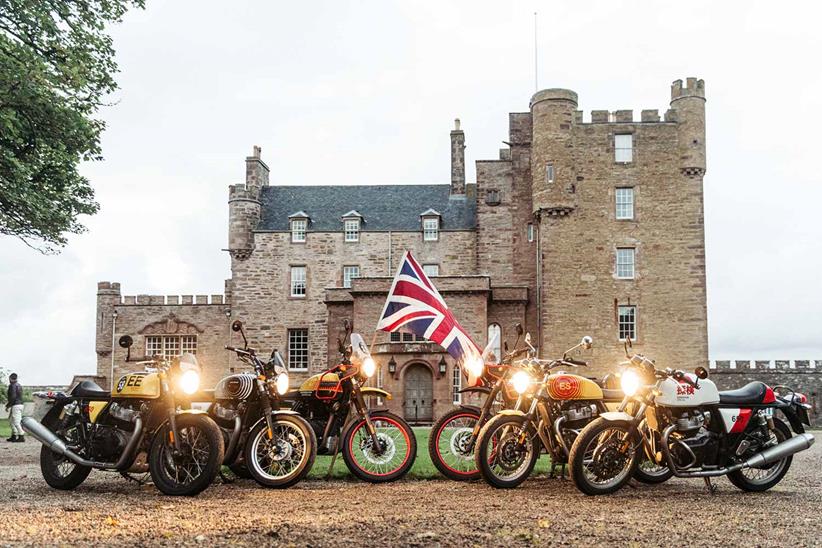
(137, 385)
(328, 384)
(565, 386)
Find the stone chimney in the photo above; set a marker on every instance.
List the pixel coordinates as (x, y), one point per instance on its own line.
(457, 159)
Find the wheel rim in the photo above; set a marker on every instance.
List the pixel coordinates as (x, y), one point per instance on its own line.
(606, 459)
(507, 458)
(455, 447)
(192, 460)
(282, 455)
(761, 476)
(394, 447)
(63, 465)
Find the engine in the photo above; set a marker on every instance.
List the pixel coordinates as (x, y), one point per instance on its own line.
(108, 442)
(577, 415)
(691, 443)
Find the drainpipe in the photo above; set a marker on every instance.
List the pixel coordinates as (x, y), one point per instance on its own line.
(390, 265)
(539, 283)
(113, 334)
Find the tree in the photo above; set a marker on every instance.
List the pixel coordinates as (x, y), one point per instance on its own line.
(56, 69)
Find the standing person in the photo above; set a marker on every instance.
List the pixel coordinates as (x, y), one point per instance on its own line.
(15, 404)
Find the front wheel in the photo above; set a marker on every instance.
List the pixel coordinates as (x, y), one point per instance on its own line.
(285, 457)
(648, 471)
(604, 457)
(451, 445)
(507, 451)
(192, 469)
(390, 458)
(763, 478)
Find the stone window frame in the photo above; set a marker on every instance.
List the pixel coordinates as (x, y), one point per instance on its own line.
(530, 232)
(618, 149)
(625, 251)
(350, 278)
(296, 232)
(634, 323)
(291, 334)
(550, 173)
(617, 203)
(291, 281)
(403, 337)
(456, 384)
(429, 265)
(430, 233)
(351, 234)
(181, 344)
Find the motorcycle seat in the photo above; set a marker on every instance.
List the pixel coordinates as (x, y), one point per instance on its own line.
(612, 394)
(90, 390)
(752, 393)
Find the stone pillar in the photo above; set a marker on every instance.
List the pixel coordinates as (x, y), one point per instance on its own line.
(457, 159)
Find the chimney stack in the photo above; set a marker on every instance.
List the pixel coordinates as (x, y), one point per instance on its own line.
(457, 159)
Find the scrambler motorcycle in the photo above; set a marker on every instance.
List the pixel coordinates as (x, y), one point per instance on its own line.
(145, 417)
(377, 446)
(276, 447)
(693, 429)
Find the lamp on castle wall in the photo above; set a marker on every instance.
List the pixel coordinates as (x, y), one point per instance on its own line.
(443, 366)
(392, 365)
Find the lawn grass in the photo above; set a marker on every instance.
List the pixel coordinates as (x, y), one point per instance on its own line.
(5, 428)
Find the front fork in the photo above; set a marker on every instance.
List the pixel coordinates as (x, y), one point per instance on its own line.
(173, 434)
(362, 411)
(266, 404)
(486, 409)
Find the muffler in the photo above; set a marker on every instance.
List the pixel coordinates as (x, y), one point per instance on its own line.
(798, 443)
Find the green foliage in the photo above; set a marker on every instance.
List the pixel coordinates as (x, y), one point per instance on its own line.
(56, 68)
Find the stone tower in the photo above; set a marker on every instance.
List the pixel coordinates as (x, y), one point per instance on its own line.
(553, 169)
(689, 105)
(108, 297)
(244, 206)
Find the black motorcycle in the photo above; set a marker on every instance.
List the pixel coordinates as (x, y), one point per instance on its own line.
(276, 447)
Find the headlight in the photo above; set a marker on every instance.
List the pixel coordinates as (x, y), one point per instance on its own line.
(189, 381)
(369, 367)
(630, 382)
(475, 367)
(520, 381)
(282, 383)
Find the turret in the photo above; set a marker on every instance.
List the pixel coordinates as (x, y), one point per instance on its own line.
(108, 297)
(688, 103)
(457, 159)
(244, 206)
(552, 162)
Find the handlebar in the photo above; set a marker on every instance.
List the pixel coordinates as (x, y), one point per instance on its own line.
(575, 362)
(246, 351)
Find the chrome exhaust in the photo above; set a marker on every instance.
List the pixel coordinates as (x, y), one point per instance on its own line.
(233, 440)
(798, 443)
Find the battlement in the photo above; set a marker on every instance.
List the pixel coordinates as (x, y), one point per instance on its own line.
(240, 192)
(172, 300)
(108, 288)
(693, 88)
(772, 365)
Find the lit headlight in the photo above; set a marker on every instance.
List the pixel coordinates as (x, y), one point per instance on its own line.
(189, 381)
(630, 382)
(475, 366)
(369, 367)
(282, 383)
(520, 381)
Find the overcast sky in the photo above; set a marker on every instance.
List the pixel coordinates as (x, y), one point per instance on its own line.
(368, 93)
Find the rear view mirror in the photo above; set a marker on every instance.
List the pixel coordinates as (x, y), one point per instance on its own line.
(587, 341)
(237, 326)
(701, 372)
(519, 330)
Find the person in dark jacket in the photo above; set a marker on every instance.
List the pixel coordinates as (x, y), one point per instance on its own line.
(14, 404)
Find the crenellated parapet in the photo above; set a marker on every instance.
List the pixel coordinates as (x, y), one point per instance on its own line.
(722, 366)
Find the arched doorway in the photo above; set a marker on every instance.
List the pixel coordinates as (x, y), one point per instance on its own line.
(419, 394)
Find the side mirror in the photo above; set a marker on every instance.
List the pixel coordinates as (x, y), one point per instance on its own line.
(701, 372)
(519, 330)
(587, 342)
(340, 345)
(237, 326)
(125, 341)
(505, 346)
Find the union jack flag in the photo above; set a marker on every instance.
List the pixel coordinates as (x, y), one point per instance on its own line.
(414, 305)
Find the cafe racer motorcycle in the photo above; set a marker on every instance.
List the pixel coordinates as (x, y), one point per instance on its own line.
(694, 429)
(145, 417)
(276, 447)
(377, 446)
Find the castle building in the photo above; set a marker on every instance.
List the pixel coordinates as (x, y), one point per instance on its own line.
(577, 228)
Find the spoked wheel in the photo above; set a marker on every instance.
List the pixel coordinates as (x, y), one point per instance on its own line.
(195, 466)
(59, 471)
(392, 458)
(648, 471)
(506, 451)
(451, 445)
(604, 457)
(763, 478)
(284, 458)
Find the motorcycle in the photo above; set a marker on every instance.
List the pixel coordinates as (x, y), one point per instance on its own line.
(145, 421)
(377, 446)
(276, 447)
(693, 429)
(560, 404)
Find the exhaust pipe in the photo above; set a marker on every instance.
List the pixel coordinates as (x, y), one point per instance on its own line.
(798, 443)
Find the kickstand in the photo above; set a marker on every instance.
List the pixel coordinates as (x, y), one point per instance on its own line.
(552, 473)
(710, 486)
(333, 459)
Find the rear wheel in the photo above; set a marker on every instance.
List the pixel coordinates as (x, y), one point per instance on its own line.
(604, 457)
(192, 469)
(394, 456)
(762, 479)
(506, 451)
(451, 445)
(60, 472)
(286, 457)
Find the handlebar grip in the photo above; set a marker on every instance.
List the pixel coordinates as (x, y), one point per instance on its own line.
(575, 362)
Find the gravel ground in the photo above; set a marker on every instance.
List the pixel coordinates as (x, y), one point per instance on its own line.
(107, 510)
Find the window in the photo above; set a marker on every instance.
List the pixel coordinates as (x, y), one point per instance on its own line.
(431, 269)
(624, 148)
(170, 346)
(351, 228)
(624, 203)
(529, 232)
(349, 273)
(298, 349)
(430, 229)
(456, 385)
(397, 336)
(298, 281)
(495, 336)
(298, 227)
(627, 322)
(625, 262)
(549, 173)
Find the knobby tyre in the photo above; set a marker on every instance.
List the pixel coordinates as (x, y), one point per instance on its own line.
(392, 460)
(448, 445)
(284, 459)
(200, 458)
(502, 460)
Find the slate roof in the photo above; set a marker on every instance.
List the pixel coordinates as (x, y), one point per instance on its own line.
(383, 207)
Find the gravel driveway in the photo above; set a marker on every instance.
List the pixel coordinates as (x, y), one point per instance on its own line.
(107, 510)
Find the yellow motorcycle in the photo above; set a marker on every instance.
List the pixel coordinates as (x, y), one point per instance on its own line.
(144, 422)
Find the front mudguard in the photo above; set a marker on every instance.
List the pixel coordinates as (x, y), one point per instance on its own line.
(274, 414)
(622, 416)
(476, 389)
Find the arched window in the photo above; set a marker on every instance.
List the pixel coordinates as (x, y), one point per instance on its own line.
(495, 335)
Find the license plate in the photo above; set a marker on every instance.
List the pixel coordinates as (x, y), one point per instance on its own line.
(768, 412)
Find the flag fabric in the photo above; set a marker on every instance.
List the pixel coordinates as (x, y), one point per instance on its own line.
(414, 305)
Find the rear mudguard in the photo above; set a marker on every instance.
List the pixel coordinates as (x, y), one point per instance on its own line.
(54, 413)
(793, 418)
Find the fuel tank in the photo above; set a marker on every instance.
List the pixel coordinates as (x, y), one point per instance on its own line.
(137, 385)
(680, 394)
(235, 387)
(327, 383)
(565, 386)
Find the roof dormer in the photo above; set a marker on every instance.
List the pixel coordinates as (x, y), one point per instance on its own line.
(430, 219)
(352, 222)
(298, 224)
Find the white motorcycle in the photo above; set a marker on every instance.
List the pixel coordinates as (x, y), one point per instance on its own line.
(693, 429)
